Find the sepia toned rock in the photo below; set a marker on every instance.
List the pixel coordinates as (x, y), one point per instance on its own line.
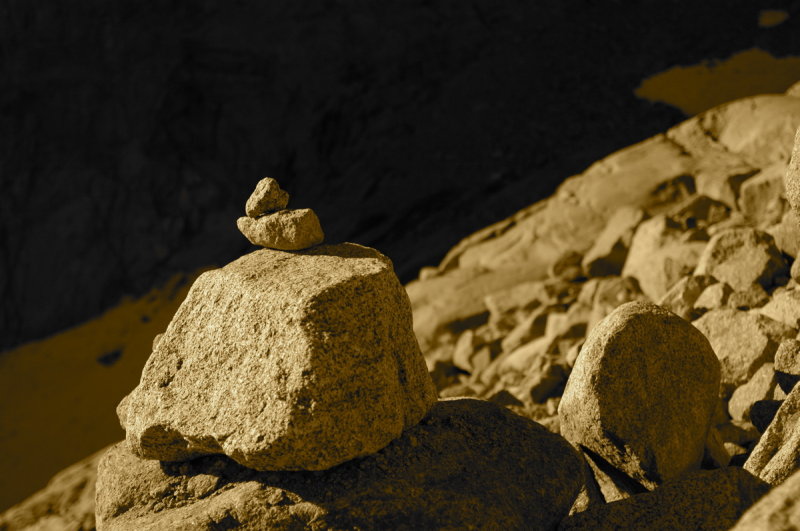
(742, 257)
(608, 253)
(713, 297)
(467, 464)
(784, 307)
(642, 393)
(776, 456)
(787, 364)
(761, 197)
(660, 254)
(267, 197)
(285, 230)
(791, 178)
(743, 341)
(681, 298)
(284, 361)
(760, 387)
(706, 499)
(777, 510)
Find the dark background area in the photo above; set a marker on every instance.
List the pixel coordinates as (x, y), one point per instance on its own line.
(132, 132)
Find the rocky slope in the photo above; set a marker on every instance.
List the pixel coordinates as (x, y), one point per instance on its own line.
(684, 411)
(132, 130)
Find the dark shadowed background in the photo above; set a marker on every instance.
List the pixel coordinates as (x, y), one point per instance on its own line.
(132, 132)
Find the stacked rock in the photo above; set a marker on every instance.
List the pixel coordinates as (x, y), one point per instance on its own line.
(289, 390)
(268, 223)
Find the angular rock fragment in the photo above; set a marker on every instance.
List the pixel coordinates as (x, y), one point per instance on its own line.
(777, 454)
(791, 178)
(267, 197)
(743, 341)
(713, 297)
(753, 297)
(660, 254)
(787, 233)
(467, 464)
(778, 510)
(784, 307)
(681, 298)
(761, 197)
(707, 499)
(742, 257)
(787, 364)
(284, 361)
(285, 230)
(699, 211)
(760, 387)
(607, 255)
(723, 183)
(642, 393)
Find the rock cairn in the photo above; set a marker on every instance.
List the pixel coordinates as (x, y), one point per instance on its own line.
(289, 389)
(269, 225)
(646, 317)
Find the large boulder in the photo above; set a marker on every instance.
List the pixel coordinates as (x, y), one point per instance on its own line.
(642, 393)
(283, 361)
(707, 500)
(469, 464)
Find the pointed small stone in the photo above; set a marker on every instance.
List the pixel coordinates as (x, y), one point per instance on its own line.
(267, 197)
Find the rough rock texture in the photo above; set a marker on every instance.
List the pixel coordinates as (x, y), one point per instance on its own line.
(787, 364)
(681, 298)
(743, 341)
(791, 179)
(642, 393)
(742, 257)
(286, 230)
(778, 510)
(660, 254)
(468, 464)
(707, 500)
(760, 387)
(761, 197)
(283, 361)
(777, 454)
(266, 198)
(784, 307)
(607, 255)
(65, 504)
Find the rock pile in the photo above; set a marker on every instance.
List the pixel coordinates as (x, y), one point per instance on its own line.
(289, 389)
(268, 225)
(648, 322)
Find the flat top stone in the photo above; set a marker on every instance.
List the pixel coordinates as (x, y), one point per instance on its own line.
(283, 361)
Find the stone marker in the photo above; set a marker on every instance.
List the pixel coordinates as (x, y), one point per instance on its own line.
(284, 361)
(642, 393)
(286, 230)
(267, 197)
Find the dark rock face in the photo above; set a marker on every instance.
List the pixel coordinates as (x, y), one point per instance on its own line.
(468, 464)
(132, 131)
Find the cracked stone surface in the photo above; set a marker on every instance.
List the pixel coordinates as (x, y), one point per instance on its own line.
(283, 361)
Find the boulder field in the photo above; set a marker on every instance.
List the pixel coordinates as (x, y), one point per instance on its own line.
(621, 355)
